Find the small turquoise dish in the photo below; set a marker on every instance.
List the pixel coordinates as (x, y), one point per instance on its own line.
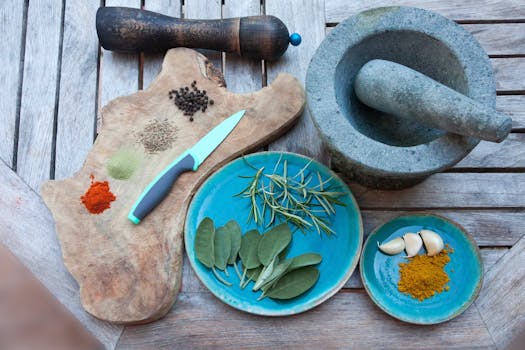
(340, 252)
(380, 272)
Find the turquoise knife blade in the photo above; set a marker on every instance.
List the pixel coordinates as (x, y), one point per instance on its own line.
(191, 159)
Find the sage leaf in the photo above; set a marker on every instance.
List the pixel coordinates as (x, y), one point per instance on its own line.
(204, 241)
(222, 247)
(248, 251)
(251, 275)
(265, 274)
(303, 260)
(294, 283)
(273, 242)
(278, 271)
(236, 236)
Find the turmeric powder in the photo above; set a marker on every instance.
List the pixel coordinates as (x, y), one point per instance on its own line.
(423, 276)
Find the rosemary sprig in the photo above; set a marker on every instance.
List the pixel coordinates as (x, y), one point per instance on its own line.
(292, 198)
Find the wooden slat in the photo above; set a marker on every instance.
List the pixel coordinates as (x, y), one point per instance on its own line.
(488, 227)
(509, 73)
(468, 190)
(348, 320)
(513, 106)
(501, 301)
(242, 74)
(499, 38)
(78, 88)
(11, 26)
(37, 111)
(153, 62)
(508, 154)
(309, 22)
(205, 9)
(459, 10)
(28, 230)
(119, 72)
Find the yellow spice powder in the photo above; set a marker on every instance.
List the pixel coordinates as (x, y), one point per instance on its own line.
(423, 276)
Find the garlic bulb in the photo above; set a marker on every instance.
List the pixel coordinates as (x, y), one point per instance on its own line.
(413, 244)
(433, 242)
(395, 246)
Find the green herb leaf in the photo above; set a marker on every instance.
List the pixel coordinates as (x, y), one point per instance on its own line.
(222, 247)
(277, 273)
(294, 283)
(265, 274)
(248, 251)
(303, 260)
(204, 241)
(236, 236)
(273, 242)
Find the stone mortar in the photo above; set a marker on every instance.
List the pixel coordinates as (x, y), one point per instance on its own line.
(369, 146)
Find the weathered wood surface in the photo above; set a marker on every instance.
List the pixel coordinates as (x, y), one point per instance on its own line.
(119, 72)
(132, 273)
(500, 302)
(28, 230)
(78, 88)
(499, 39)
(348, 320)
(12, 28)
(153, 61)
(242, 74)
(39, 89)
(506, 70)
(459, 10)
(513, 105)
(308, 21)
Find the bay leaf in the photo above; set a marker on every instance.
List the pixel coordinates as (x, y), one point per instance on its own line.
(222, 247)
(248, 250)
(236, 236)
(204, 242)
(274, 242)
(294, 283)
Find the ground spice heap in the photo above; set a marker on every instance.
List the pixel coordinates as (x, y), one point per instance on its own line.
(98, 197)
(157, 136)
(190, 99)
(423, 276)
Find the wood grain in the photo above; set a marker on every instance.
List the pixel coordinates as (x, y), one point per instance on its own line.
(508, 154)
(37, 110)
(205, 9)
(499, 38)
(11, 25)
(454, 190)
(119, 72)
(506, 70)
(459, 10)
(349, 320)
(513, 106)
(242, 74)
(309, 22)
(500, 302)
(132, 273)
(78, 88)
(153, 61)
(28, 230)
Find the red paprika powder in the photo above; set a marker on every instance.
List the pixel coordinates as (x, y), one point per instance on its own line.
(98, 197)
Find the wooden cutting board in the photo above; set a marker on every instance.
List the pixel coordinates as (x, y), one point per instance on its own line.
(132, 273)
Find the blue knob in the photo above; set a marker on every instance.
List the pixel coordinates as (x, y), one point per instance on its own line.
(295, 39)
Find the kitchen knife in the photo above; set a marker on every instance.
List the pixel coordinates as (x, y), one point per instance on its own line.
(191, 159)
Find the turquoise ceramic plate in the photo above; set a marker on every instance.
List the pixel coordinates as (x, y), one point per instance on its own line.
(215, 199)
(380, 272)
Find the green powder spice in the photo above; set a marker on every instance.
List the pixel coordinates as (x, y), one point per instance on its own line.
(123, 164)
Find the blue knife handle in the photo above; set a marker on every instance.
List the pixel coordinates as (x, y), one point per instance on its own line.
(159, 188)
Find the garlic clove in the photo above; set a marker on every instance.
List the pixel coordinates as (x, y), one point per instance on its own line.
(393, 247)
(413, 243)
(433, 242)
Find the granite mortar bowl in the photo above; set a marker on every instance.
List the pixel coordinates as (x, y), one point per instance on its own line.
(374, 148)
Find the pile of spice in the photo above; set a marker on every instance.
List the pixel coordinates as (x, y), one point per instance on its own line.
(123, 164)
(157, 136)
(190, 99)
(98, 197)
(423, 276)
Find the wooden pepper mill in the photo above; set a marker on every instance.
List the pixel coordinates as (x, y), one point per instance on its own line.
(134, 30)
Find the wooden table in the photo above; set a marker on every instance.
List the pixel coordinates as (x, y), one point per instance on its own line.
(56, 78)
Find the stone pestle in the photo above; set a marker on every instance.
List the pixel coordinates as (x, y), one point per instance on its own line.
(401, 91)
